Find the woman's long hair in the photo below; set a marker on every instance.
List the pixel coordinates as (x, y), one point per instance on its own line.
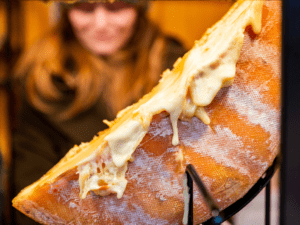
(63, 79)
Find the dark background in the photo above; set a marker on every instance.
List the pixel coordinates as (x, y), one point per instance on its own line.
(290, 170)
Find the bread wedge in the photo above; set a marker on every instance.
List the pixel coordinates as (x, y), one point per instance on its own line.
(218, 109)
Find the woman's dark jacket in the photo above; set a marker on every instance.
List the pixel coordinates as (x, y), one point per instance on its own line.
(39, 143)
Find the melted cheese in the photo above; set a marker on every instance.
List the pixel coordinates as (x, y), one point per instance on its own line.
(102, 176)
(121, 144)
(183, 92)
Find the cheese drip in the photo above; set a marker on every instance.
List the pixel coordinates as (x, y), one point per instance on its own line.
(102, 176)
(183, 93)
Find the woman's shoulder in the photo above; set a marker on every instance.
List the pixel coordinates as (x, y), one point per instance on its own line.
(174, 50)
(174, 42)
(175, 46)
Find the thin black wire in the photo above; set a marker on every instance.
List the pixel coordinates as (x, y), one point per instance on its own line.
(219, 217)
(216, 216)
(268, 204)
(190, 212)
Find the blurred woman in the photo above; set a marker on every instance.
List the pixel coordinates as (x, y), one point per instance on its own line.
(100, 58)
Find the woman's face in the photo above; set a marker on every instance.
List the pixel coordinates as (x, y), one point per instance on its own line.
(103, 28)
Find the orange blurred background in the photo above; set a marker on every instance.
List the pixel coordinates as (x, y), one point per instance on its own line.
(186, 20)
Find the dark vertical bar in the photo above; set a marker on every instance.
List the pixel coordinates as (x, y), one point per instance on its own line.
(268, 204)
(290, 176)
(283, 114)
